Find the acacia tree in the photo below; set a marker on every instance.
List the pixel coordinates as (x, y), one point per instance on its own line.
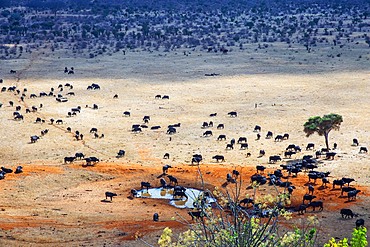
(323, 125)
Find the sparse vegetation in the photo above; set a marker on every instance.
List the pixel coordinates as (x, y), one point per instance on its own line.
(323, 126)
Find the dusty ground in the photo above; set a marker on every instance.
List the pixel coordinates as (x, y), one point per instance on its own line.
(54, 204)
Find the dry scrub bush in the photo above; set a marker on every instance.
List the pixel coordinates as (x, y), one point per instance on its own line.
(228, 224)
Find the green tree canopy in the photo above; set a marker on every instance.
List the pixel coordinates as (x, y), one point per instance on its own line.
(323, 125)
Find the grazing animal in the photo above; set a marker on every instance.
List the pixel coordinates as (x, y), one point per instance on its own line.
(278, 138)
(242, 140)
(348, 180)
(165, 97)
(44, 132)
(166, 156)
(165, 168)
(213, 114)
(18, 117)
(330, 155)
(145, 185)
(171, 131)
(236, 173)
(311, 189)
(229, 146)
(302, 209)
(79, 155)
(208, 133)
(155, 217)
(360, 222)
(269, 135)
(196, 215)
(91, 160)
(290, 147)
(363, 150)
(180, 194)
(347, 189)
(115, 96)
(59, 121)
(219, 158)
(288, 154)
(6, 170)
(259, 179)
(316, 204)
(19, 169)
(126, 113)
(230, 179)
(308, 197)
(339, 182)
(243, 146)
(257, 128)
(172, 179)
(232, 114)
(121, 153)
(260, 168)
(136, 129)
(34, 139)
(325, 181)
(285, 136)
(158, 96)
(221, 137)
(352, 194)
(155, 127)
(355, 142)
(274, 158)
(346, 213)
(220, 126)
(262, 152)
(110, 195)
(93, 130)
(196, 159)
(133, 192)
(69, 159)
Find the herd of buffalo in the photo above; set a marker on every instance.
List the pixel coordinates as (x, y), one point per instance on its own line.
(282, 177)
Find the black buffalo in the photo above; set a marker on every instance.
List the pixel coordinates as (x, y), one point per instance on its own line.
(274, 158)
(316, 204)
(79, 155)
(121, 153)
(220, 126)
(69, 159)
(219, 158)
(363, 150)
(110, 195)
(208, 133)
(346, 213)
(196, 214)
(232, 114)
(221, 137)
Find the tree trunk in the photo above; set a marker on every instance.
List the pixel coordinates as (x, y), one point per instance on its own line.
(327, 140)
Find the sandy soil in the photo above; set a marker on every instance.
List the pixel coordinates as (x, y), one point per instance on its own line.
(54, 204)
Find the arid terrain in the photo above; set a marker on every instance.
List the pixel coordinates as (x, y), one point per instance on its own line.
(274, 63)
(56, 204)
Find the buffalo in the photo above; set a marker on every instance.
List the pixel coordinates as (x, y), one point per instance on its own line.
(346, 213)
(110, 195)
(221, 137)
(232, 114)
(69, 159)
(219, 158)
(316, 204)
